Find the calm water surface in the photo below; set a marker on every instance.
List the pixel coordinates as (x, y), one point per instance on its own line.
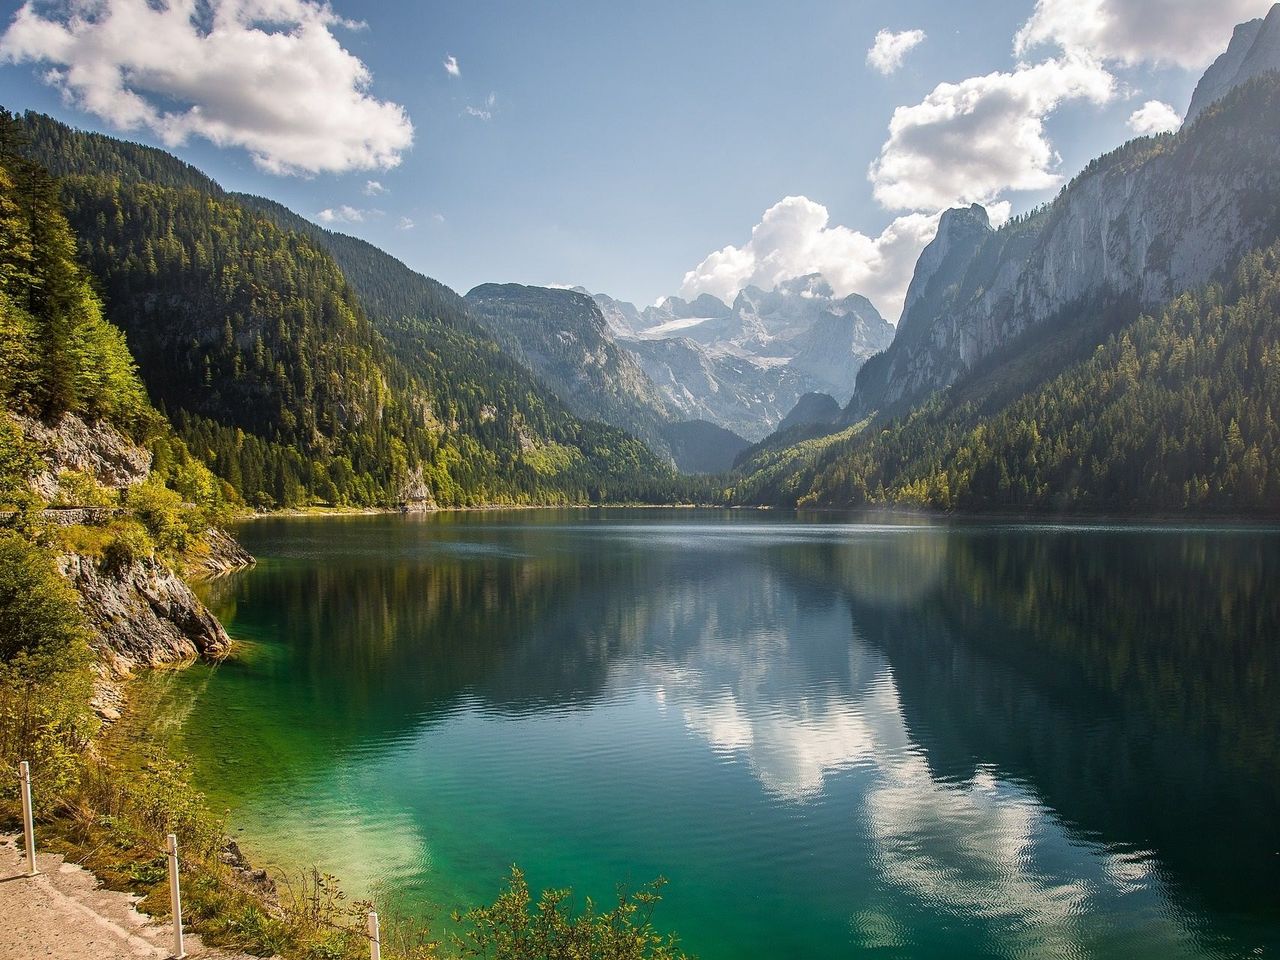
(834, 740)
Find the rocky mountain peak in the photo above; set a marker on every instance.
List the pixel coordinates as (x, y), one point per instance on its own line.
(1253, 51)
(961, 232)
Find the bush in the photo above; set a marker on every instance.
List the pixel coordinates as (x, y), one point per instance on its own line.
(17, 461)
(172, 525)
(44, 672)
(513, 928)
(76, 488)
(129, 543)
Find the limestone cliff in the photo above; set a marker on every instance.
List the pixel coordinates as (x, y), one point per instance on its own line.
(142, 613)
(1253, 51)
(1156, 217)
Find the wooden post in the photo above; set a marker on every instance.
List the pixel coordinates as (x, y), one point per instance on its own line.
(375, 937)
(28, 817)
(175, 899)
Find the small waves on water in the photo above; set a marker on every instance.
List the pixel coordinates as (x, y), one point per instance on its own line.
(833, 739)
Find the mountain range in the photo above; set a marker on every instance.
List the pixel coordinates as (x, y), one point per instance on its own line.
(1158, 256)
(304, 365)
(1115, 349)
(744, 366)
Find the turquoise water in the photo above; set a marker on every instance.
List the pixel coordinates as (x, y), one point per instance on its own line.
(834, 740)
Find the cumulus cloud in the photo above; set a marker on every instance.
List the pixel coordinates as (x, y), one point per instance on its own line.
(343, 214)
(1154, 116)
(889, 49)
(405, 224)
(372, 188)
(970, 141)
(451, 66)
(795, 238)
(1185, 33)
(266, 75)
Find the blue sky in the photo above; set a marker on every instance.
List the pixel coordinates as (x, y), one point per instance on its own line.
(623, 146)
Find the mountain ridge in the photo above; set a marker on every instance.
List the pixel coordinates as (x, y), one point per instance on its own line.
(440, 414)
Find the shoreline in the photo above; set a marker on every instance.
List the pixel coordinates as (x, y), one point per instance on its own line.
(850, 514)
(129, 726)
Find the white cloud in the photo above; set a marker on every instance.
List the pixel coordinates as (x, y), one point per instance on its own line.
(794, 239)
(405, 224)
(887, 52)
(451, 66)
(438, 217)
(1185, 33)
(265, 75)
(372, 188)
(971, 141)
(483, 112)
(343, 214)
(1154, 116)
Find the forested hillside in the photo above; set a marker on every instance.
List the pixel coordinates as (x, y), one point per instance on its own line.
(59, 357)
(562, 337)
(1175, 412)
(296, 385)
(57, 354)
(1111, 401)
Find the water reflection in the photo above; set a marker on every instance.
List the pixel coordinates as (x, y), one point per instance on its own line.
(1019, 742)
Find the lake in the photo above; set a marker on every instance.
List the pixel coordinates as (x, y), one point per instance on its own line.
(833, 739)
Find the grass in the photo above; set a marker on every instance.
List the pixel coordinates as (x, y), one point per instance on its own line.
(115, 826)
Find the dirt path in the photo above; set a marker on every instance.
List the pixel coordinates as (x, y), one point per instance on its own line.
(62, 914)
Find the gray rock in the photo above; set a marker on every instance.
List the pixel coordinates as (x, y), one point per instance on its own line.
(1142, 225)
(142, 615)
(744, 366)
(98, 449)
(1253, 51)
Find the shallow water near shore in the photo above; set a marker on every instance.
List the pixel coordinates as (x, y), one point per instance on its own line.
(833, 739)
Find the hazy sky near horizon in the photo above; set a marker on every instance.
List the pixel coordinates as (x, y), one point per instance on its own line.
(639, 149)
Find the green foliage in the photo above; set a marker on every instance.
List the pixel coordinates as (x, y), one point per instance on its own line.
(304, 366)
(129, 543)
(514, 928)
(59, 354)
(44, 672)
(18, 461)
(77, 488)
(1172, 413)
(172, 525)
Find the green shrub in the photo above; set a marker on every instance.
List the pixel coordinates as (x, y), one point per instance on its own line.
(77, 488)
(173, 525)
(514, 928)
(45, 682)
(129, 543)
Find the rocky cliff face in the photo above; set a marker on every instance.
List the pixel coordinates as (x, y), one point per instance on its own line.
(143, 614)
(735, 393)
(1253, 51)
(72, 444)
(743, 366)
(140, 611)
(1144, 223)
(562, 336)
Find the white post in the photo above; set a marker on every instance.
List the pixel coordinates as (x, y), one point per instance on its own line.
(175, 899)
(28, 818)
(375, 938)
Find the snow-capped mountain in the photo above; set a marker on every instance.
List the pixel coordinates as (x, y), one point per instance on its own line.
(745, 365)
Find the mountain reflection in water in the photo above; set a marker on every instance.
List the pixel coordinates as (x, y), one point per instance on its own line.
(924, 740)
